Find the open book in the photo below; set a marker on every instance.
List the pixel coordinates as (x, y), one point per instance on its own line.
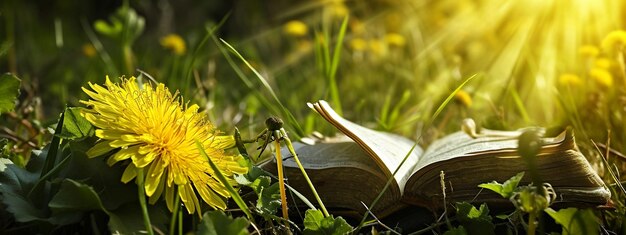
(350, 170)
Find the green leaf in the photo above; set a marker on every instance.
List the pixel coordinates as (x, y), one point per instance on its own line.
(15, 183)
(218, 223)
(268, 194)
(128, 218)
(575, 221)
(475, 221)
(505, 189)
(316, 224)
(72, 200)
(75, 196)
(456, 231)
(9, 90)
(103, 178)
(269, 199)
(110, 30)
(75, 126)
(125, 24)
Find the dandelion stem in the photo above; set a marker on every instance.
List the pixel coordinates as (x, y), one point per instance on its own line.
(306, 177)
(532, 226)
(180, 222)
(142, 201)
(175, 214)
(281, 183)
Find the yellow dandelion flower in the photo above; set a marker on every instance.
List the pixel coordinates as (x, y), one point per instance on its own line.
(175, 43)
(588, 51)
(602, 76)
(378, 47)
(156, 131)
(358, 44)
(296, 28)
(603, 63)
(569, 79)
(338, 9)
(614, 39)
(394, 39)
(464, 98)
(89, 50)
(357, 26)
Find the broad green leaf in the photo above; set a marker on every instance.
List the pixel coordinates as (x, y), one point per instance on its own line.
(575, 221)
(15, 183)
(316, 224)
(505, 189)
(75, 126)
(72, 200)
(103, 178)
(218, 223)
(75, 196)
(475, 221)
(9, 90)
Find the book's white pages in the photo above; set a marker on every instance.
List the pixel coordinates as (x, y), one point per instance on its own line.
(387, 149)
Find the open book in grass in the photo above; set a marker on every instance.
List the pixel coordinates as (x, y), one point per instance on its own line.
(350, 170)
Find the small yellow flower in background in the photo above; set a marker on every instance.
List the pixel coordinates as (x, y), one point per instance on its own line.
(356, 26)
(603, 63)
(569, 79)
(378, 47)
(602, 76)
(588, 51)
(614, 40)
(358, 44)
(296, 28)
(89, 50)
(338, 9)
(155, 130)
(464, 98)
(394, 39)
(305, 46)
(175, 43)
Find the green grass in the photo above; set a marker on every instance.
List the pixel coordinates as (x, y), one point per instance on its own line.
(241, 67)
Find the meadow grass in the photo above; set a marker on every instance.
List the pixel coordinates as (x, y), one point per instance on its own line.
(396, 66)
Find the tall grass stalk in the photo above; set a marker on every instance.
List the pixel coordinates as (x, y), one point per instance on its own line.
(299, 132)
(333, 64)
(306, 176)
(196, 52)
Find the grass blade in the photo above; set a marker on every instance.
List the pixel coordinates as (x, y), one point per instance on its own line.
(218, 173)
(285, 112)
(334, 64)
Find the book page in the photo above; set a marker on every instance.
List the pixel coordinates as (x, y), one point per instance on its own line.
(460, 144)
(388, 150)
(336, 153)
